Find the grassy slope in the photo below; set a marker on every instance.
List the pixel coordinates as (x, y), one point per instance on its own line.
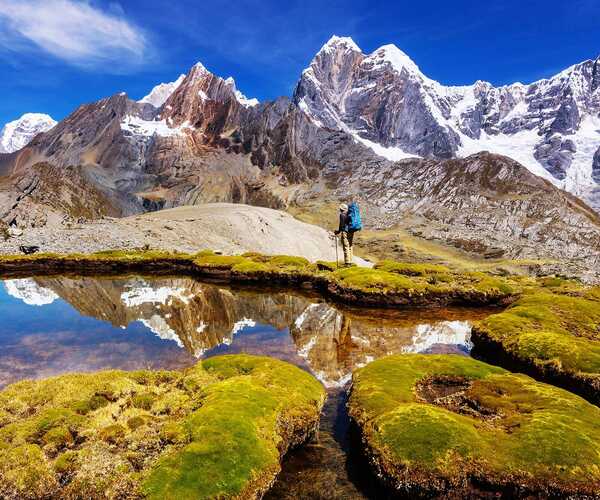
(543, 436)
(213, 431)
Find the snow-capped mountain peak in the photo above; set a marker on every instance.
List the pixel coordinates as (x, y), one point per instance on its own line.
(159, 94)
(18, 133)
(551, 126)
(396, 57)
(30, 292)
(242, 99)
(198, 70)
(245, 101)
(336, 42)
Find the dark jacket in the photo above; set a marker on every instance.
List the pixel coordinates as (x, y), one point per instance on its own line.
(344, 222)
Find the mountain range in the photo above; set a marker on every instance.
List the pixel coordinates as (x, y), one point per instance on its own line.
(513, 168)
(551, 126)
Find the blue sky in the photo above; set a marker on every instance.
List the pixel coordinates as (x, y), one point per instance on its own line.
(57, 54)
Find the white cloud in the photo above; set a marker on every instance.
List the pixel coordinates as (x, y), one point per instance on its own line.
(74, 31)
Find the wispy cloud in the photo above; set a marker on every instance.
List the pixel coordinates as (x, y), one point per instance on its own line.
(74, 31)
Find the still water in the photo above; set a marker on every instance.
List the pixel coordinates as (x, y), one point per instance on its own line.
(55, 325)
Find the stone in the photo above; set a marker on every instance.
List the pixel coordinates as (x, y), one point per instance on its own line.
(596, 166)
(15, 232)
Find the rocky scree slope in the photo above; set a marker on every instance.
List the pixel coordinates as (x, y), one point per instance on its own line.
(475, 204)
(228, 228)
(206, 142)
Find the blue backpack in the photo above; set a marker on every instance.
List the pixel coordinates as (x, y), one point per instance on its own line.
(354, 224)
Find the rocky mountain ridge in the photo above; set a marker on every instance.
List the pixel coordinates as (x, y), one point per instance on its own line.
(206, 142)
(551, 126)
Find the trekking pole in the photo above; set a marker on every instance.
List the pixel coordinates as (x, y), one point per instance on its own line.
(337, 261)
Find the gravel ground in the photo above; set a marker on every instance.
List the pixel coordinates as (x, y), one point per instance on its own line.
(225, 227)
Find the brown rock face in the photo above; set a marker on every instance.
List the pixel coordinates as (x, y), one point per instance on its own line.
(483, 198)
(45, 193)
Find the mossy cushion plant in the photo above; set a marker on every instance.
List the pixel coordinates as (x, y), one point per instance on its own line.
(556, 335)
(421, 284)
(438, 423)
(216, 430)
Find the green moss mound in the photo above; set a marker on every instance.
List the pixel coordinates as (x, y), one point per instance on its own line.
(253, 266)
(433, 424)
(217, 430)
(426, 284)
(556, 335)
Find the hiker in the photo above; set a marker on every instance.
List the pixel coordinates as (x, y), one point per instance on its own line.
(349, 223)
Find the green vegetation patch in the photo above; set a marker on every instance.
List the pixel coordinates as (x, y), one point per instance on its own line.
(427, 283)
(133, 256)
(434, 423)
(377, 280)
(411, 284)
(216, 430)
(555, 331)
(218, 261)
(276, 266)
(253, 263)
(410, 269)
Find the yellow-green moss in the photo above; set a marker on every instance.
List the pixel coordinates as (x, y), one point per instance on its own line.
(143, 400)
(25, 473)
(556, 333)
(250, 267)
(527, 433)
(376, 280)
(418, 283)
(219, 261)
(465, 287)
(213, 431)
(410, 269)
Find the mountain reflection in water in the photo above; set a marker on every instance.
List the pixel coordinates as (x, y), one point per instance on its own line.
(60, 324)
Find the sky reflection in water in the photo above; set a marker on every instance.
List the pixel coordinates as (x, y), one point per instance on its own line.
(54, 325)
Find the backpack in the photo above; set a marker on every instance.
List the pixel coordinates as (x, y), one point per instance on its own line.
(354, 223)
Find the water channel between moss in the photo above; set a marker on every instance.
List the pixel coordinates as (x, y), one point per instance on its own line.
(53, 325)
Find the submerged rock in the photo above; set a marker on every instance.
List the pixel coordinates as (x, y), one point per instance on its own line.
(553, 333)
(217, 430)
(438, 424)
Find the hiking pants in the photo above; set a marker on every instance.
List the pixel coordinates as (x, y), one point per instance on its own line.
(347, 238)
